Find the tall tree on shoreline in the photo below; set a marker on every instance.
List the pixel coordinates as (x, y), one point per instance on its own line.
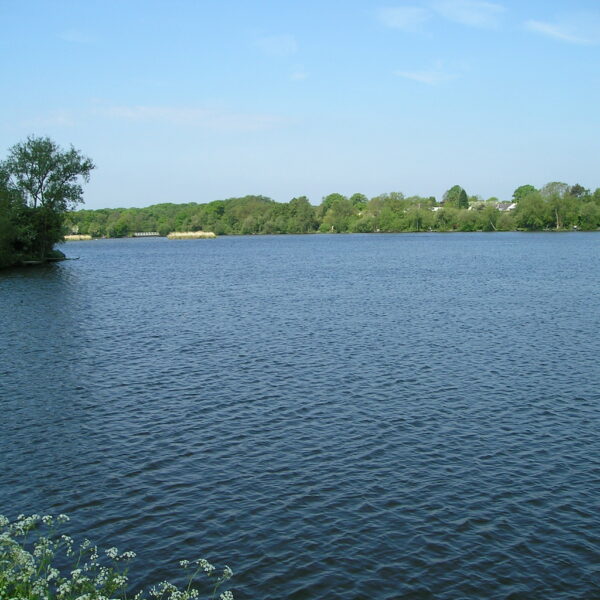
(42, 182)
(47, 176)
(456, 197)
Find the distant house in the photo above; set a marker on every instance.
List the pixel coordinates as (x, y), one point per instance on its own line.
(506, 206)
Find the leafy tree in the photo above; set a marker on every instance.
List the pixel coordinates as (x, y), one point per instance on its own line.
(365, 224)
(487, 218)
(467, 220)
(47, 181)
(446, 219)
(359, 200)
(589, 216)
(302, 216)
(560, 203)
(522, 191)
(328, 201)
(505, 222)
(578, 191)
(8, 231)
(422, 201)
(554, 188)
(564, 211)
(417, 218)
(46, 175)
(532, 212)
(456, 197)
(119, 228)
(339, 215)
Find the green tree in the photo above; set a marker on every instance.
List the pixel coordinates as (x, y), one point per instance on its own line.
(48, 182)
(328, 202)
(487, 218)
(522, 191)
(339, 215)
(560, 204)
(417, 218)
(578, 191)
(589, 216)
(8, 230)
(456, 197)
(447, 218)
(532, 212)
(555, 189)
(360, 201)
(302, 216)
(46, 175)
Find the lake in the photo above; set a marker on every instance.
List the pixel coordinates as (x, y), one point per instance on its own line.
(343, 417)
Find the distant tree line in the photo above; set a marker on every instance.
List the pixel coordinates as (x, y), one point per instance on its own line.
(555, 206)
(39, 183)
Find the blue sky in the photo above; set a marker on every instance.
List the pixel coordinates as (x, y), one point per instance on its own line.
(185, 100)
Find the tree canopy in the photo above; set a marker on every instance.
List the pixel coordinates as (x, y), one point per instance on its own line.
(456, 197)
(47, 176)
(39, 183)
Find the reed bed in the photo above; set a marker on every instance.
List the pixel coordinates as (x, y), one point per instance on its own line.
(191, 235)
(77, 238)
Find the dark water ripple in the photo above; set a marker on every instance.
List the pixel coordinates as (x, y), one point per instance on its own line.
(410, 416)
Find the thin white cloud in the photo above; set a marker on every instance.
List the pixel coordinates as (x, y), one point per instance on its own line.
(427, 76)
(405, 18)
(434, 75)
(192, 117)
(278, 45)
(583, 31)
(474, 13)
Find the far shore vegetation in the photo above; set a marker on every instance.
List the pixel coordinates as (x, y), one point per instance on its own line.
(555, 206)
(41, 186)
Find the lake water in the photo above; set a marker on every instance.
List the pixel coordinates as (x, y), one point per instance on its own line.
(340, 417)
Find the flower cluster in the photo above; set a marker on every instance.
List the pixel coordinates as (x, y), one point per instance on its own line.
(30, 545)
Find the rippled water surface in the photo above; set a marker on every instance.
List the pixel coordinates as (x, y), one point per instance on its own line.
(383, 416)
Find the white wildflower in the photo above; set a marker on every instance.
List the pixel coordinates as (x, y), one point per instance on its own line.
(64, 588)
(226, 595)
(208, 568)
(120, 580)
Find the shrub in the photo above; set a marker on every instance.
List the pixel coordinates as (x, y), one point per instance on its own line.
(31, 548)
